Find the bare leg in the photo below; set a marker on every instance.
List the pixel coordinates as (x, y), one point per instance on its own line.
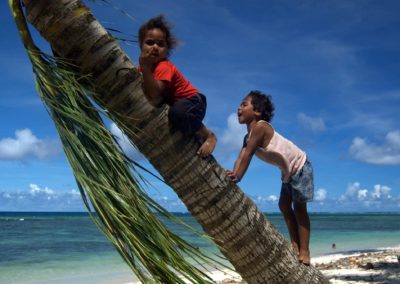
(303, 223)
(208, 140)
(285, 205)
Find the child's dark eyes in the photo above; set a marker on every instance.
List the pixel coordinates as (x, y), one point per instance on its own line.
(160, 43)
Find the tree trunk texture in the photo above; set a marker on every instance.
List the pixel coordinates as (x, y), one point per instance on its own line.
(258, 252)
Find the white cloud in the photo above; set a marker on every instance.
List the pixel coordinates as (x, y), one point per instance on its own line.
(352, 192)
(6, 195)
(267, 203)
(358, 199)
(362, 194)
(37, 198)
(381, 191)
(386, 154)
(315, 124)
(125, 144)
(272, 198)
(355, 198)
(378, 197)
(232, 137)
(320, 195)
(260, 200)
(26, 145)
(34, 190)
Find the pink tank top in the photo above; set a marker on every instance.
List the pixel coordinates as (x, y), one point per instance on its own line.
(282, 153)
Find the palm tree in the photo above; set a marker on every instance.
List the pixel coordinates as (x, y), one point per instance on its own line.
(258, 252)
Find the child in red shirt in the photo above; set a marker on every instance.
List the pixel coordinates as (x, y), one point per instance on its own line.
(163, 83)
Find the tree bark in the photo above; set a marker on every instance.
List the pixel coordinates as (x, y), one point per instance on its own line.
(258, 252)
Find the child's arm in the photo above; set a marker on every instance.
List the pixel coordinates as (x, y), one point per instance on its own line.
(259, 133)
(230, 173)
(239, 159)
(153, 89)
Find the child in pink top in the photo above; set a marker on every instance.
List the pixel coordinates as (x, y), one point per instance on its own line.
(256, 111)
(163, 83)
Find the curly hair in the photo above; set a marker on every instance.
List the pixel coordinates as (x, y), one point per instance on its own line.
(262, 103)
(158, 22)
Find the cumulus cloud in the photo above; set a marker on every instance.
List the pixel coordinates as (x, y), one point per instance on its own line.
(386, 154)
(315, 124)
(125, 144)
(266, 203)
(354, 198)
(36, 190)
(381, 191)
(263, 199)
(357, 198)
(320, 195)
(352, 192)
(26, 145)
(379, 197)
(38, 198)
(232, 137)
(43, 198)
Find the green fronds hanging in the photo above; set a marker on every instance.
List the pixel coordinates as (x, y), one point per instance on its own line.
(107, 179)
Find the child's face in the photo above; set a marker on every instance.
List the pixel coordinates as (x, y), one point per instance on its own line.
(246, 112)
(154, 45)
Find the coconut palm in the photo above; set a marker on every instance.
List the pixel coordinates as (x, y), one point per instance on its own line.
(258, 252)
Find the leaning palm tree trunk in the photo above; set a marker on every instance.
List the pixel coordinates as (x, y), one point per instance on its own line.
(125, 213)
(254, 247)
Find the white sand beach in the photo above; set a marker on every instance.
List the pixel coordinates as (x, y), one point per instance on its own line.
(372, 266)
(375, 266)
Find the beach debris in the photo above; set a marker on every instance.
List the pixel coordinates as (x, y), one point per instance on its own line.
(378, 267)
(369, 265)
(232, 281)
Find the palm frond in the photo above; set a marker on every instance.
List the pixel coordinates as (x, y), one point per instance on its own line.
(106, 178)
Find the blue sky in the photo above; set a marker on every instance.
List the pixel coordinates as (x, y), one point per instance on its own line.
(331, 67)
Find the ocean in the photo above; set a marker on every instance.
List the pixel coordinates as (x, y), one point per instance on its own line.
(69, 248)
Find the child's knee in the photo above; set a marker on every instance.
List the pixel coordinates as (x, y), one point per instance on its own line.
(176, 113)
(300, 205)
(285, 206)
(300, 208)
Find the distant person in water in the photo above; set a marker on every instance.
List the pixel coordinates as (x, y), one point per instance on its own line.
(256, 111)
(163, 83)
(333, 246)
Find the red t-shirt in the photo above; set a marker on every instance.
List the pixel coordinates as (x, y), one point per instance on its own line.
(177, 87)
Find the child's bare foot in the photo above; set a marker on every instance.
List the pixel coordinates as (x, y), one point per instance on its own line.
(208, 145)
(304, 257)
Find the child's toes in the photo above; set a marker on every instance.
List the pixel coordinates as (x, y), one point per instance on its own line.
(304, 258)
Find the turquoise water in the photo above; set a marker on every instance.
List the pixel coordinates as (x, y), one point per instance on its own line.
(68, 247)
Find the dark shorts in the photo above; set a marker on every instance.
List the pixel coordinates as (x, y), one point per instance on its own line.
(187, 114)
(301, 185)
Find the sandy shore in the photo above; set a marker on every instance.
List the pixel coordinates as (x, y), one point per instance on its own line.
(376, 266)
(373, 266)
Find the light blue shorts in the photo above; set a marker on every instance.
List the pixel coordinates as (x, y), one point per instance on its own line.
(301, 185)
